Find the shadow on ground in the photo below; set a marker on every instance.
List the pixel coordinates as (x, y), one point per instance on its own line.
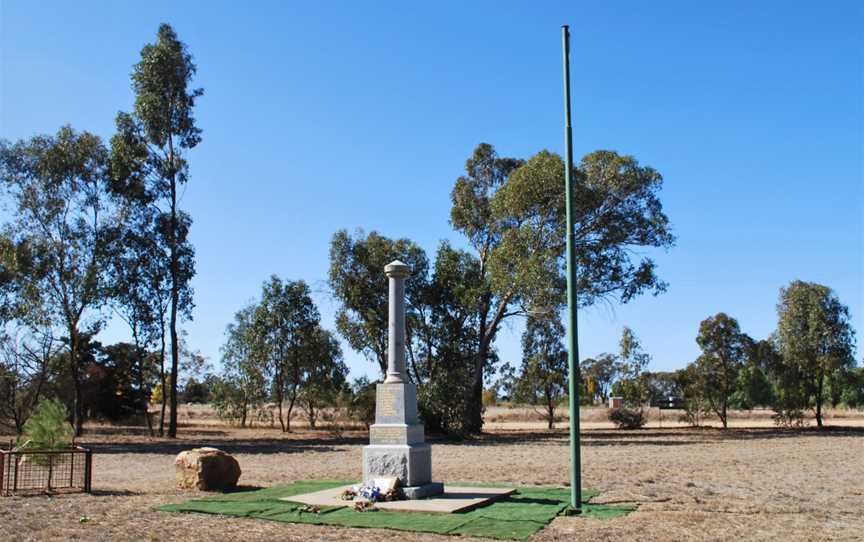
(329, 443)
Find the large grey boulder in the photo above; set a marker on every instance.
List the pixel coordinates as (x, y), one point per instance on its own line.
(207, 469)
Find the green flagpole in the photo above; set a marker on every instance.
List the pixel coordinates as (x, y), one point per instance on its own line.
(572, 328)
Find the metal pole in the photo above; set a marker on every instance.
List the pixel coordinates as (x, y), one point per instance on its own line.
(572, 327)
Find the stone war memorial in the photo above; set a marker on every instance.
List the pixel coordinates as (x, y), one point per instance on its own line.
(397, 446)
(397, 454)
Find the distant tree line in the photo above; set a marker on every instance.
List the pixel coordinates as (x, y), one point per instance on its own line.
(806, 364)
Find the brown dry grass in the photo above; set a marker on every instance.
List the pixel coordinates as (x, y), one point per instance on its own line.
(755, 483)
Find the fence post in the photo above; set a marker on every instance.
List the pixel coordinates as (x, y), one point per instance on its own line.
(14, 461)
(88, 471)
(2, 471)
(72, 468)
(50, 469)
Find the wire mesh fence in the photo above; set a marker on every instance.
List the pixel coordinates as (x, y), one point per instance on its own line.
(28, 471)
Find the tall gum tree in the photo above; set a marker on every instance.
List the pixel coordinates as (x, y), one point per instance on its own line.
(512, 212)
(149, 166)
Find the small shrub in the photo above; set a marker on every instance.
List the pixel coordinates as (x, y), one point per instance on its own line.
(627, 418)
(789, 417)
(48, 428)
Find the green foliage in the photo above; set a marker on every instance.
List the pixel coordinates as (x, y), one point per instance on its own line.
(230, 401)
(752, 389)
(277, 348)
(357, 280)
(601, 372)
(26, 353)
(815, 339)
(661, 386)
(440, 312)
(242, 387)
(631, 386)
(61, 233)
(48, 428)
(362, 407)
(198, 392)
(724, 350)
(443, 352)
(296, 354)
(148, 164)
(543, 379)
(691, 384)
(853, 390)
(627, 418)
(326, 376)
(113, 384)
(512, 212)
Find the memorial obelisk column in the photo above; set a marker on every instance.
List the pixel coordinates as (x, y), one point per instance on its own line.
(396, 440)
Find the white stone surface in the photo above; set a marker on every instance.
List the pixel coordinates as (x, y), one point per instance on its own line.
(454, 499)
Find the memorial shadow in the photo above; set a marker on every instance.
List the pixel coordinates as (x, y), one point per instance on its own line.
(660, 437)
(132, 431)
(114, 493)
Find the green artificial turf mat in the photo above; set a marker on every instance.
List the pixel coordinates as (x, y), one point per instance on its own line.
(515, 517)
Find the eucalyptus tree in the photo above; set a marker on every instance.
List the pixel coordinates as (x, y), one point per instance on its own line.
(815, 338)
(149, 166)
(633, 360)
(243, 386)
(441, 349)
(512, 212)
(284, 324)
(725, 350)
(543, 379)
(357, 280)
(61, 212)
(327, 374)
(139, 292)
(602, 370)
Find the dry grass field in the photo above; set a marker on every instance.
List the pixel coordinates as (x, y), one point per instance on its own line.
(751, 482)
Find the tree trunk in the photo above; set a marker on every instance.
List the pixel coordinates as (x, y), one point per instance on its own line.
(77, 407)
(819, 389)
(145, 398)
(281, 419)
(288, 417)
(175, 295)
(162, 381)
(474, 423)
(311, 408)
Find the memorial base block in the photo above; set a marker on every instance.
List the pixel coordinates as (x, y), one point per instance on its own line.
(411, 464)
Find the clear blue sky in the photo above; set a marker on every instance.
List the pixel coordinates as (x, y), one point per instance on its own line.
(321, 116)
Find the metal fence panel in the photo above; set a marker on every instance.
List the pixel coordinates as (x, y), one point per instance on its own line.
(23, 471)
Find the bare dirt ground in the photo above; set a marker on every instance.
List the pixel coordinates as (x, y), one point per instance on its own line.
(751, 482)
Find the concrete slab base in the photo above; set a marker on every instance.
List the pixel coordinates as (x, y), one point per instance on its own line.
(454, 499)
